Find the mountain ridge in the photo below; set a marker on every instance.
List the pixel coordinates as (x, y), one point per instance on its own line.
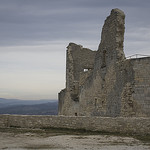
(11, 102)
(28, 107)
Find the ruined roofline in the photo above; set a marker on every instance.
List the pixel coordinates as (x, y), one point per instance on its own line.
(118, 15)
(74, 44)
(118, 12)
(115, 12)
(71, 44)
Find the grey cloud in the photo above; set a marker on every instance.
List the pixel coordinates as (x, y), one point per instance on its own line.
(31, 23)
(35, 21)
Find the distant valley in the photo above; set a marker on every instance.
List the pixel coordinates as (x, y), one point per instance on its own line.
(28, 107)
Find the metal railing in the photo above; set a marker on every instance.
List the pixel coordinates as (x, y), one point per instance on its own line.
(137, 56)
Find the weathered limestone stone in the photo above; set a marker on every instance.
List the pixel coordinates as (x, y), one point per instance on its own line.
(104, 82)
(125, 125)
(79, 60)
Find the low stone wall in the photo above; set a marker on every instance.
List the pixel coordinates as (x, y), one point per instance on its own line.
(104, 124)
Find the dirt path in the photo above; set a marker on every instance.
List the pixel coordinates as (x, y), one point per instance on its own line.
(54, 141)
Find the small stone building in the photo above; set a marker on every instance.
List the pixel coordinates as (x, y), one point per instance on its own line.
(104, 82)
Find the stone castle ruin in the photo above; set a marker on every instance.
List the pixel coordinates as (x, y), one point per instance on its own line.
(100, 83)
(103, 82)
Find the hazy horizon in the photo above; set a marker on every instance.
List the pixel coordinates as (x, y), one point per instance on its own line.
(35, 34)
(29, 99)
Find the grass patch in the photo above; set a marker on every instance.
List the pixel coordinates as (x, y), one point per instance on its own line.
(80, 137)
(15, 127)
(20, 130)
(66, 131)
(43, 147)
(144, 138)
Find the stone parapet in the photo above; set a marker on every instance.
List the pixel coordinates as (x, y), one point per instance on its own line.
(125, 125)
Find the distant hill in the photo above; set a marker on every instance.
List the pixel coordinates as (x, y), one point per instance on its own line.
(27, 107)
(11, 102)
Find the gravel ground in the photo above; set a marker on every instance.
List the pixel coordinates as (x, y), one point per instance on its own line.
(10, 140)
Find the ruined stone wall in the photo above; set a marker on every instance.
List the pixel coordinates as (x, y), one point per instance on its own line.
(112, 37)
(78, 59)
(104, 124)
(125, 91)
(113, 86)
(136, 94)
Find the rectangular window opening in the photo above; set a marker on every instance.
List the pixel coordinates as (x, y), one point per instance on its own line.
(85, 70)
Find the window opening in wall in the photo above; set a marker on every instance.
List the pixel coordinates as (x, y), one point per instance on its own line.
(85, 70)
(76, 114)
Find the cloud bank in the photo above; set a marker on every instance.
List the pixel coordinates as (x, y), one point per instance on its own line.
(34, 35)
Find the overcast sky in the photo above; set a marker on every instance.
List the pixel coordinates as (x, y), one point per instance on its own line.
(34, 35)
